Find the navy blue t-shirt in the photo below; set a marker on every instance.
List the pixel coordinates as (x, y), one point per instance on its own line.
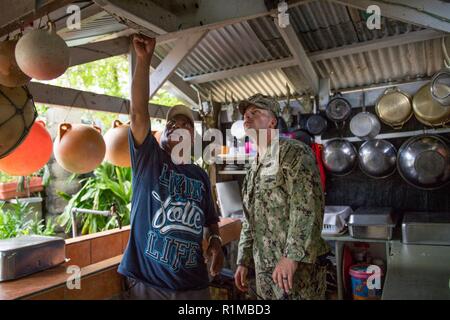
(170, 206)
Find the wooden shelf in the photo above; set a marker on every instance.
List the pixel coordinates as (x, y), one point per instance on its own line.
(232, 172)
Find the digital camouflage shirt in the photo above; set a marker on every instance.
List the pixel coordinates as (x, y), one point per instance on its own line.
(283, 207)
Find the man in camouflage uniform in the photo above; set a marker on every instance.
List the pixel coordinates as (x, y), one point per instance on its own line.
(283, 205)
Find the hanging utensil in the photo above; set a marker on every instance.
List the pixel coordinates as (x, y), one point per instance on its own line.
(394, 108)
(427, 110)
(440, 87)
(338, 110)
(365, 125)
(286, 114)
(377, 158)
(424, 161)
(316, 124)
(339, 157)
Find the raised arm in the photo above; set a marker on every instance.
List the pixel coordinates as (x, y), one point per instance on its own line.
(140, 117)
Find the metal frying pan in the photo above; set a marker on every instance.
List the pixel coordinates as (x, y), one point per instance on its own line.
(316, 124)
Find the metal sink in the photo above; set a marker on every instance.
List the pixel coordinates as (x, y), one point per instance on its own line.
(426, 228)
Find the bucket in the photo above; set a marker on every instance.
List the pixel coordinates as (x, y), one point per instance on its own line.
(359, 277)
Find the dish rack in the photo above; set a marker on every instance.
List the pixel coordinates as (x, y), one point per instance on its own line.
(335, 219)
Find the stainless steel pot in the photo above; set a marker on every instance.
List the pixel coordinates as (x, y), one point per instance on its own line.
(427, 110)
(365, 125)
(339, 157)
(377, 158)
(424, 161)
(440, 87)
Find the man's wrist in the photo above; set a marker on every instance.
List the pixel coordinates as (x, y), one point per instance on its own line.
(214, 236)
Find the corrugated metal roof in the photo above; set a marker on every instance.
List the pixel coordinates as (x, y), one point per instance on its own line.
(224, 49)
(272, 83)
(405, 62)
(320, 25)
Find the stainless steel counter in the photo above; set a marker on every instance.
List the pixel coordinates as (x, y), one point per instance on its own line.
(417, 272)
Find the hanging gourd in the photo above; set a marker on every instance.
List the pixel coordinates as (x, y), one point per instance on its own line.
(117, 146)
(79, 148)
(17, 114)
(10, 73)
(32, 154)
(42, 54)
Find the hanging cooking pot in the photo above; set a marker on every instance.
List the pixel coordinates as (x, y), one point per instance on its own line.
(440, 87)
(42, 54)
(394, 108)
(79, 148)
(365, 125)
(427, 110)
(338, 109)
(10, 73)
(377, 158)
(339, 157)
(316, 124)
(117, 146)
(424, 161)
(32, 154)
(17, 115)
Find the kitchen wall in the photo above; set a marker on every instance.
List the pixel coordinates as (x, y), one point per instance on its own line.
(357, 189)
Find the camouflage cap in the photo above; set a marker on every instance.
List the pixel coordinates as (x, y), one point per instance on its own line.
(261, 101)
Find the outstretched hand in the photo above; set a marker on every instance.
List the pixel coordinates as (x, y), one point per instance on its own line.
(143, 46)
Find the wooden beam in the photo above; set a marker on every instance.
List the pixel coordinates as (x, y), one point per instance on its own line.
(99, 50)
(298, 52)
(235, 72)
(184, 88)
(188, 17)
(426, 13)
(20, 13)
(59, 96)
(165, 69)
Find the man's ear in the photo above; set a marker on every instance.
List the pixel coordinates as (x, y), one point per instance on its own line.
(273, 123)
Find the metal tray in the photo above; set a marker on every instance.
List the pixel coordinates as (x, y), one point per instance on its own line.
(25, 255)
(426, 228)
(372, 223)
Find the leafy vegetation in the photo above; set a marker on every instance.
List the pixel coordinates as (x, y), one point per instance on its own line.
(14, 222)
(108, 185)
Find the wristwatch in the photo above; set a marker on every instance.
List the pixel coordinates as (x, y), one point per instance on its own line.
(216, 236)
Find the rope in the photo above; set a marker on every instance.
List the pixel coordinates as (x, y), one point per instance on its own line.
(19, 111)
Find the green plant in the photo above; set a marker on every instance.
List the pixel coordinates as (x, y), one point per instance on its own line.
(5, 178)
(14, 222)
(108, 185)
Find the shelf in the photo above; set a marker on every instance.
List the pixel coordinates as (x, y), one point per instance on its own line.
(235, 157)
(347, 238)
(232, 172)
(393, 135)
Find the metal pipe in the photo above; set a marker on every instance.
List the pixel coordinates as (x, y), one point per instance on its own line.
(105, 213)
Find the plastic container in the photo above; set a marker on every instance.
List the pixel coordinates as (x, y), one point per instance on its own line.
(359, 277)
